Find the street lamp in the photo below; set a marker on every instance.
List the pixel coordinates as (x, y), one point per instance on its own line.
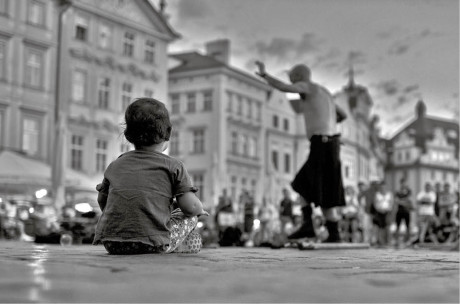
(58, 164)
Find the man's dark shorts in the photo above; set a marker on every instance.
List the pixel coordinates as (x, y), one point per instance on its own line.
(320, 179)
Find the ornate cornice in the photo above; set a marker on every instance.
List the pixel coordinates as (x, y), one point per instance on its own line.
(111, 63)
(98, 125)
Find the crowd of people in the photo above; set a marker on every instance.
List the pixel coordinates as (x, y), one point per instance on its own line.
(373, 214)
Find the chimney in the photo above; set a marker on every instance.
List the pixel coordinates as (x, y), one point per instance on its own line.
(219, 50)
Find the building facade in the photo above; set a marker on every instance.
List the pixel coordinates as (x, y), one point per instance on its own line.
(217, 115)
(287, 147)
(112, 53)
(234, 132)
(27, 74)
(81, 63)
(363, 151)
(426, 150)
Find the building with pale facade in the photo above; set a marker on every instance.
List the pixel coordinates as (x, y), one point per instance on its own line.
(27, 80)
(234, 132)
(426, 150)
(27, 74)
(217, 113)
(363, 151)
(108, 53)
(113, 52)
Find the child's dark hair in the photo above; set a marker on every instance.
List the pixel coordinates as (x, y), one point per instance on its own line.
(147, 122)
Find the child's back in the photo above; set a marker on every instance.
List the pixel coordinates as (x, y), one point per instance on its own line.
(137, 192)
(140, 196)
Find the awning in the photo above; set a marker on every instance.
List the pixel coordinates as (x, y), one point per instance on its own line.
(18, 170)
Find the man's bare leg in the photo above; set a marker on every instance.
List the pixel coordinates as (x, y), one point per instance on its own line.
(332, 224)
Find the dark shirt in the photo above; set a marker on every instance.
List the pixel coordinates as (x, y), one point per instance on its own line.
(140, 186)
(286, 207)
(403, 198)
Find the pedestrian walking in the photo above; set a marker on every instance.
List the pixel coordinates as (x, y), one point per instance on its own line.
(319, 181)
(137, 192)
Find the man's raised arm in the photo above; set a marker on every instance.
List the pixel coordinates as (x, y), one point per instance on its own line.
(298, 87)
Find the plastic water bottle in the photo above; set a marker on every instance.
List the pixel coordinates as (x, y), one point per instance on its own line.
(66, 239)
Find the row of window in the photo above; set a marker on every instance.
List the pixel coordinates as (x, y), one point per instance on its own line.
(198, 142)
(245, 184)
(349, 169)
(244, 145)
(241, 105)
(34, 64)
(195, 101)
(351, 132)
(76, 153)
(104, 90)
(276, 123)
(36, 11)
(276, 161)
(105, 39)
(32, 138)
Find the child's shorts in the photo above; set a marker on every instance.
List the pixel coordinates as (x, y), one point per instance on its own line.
(183, 239)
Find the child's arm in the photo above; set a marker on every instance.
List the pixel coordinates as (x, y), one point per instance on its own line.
(103, 189)
(190, 204)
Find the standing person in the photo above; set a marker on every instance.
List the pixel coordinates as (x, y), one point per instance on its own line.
(224, 206)
(350, 216)
(438, 191)
(285, 211)
(365, 219)
(249, 213)
(137, 192)
(383, 205)
(447, 201)
(319, 181)
(266, 215)
(404, 206)
(426, 200)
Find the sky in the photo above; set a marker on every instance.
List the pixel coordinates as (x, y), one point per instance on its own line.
(402, 51)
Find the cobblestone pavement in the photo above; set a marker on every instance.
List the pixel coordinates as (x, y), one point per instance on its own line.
(84, 273)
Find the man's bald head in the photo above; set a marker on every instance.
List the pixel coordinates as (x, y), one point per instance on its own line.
(299, 72)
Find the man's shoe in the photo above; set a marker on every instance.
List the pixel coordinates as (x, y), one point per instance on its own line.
(303, 232)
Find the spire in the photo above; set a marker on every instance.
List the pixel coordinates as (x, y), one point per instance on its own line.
(162, 6)
(351, 71)
(420, 108)
(351, 76)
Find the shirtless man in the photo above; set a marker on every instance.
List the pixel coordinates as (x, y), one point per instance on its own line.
(320, 179)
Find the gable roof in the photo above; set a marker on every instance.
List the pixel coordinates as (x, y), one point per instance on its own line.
(164, 24)
(423, 130)
(194, 61)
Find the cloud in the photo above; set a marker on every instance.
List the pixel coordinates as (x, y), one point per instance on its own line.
(307, 44)
(402, 100)
(277, 47)
(411, 88)
(327, 57)
(192, 10)
(398, 48)
(285, 49)
(388, 87)
(403, 46)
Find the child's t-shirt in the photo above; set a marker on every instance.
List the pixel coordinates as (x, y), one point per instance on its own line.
(141, 186)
